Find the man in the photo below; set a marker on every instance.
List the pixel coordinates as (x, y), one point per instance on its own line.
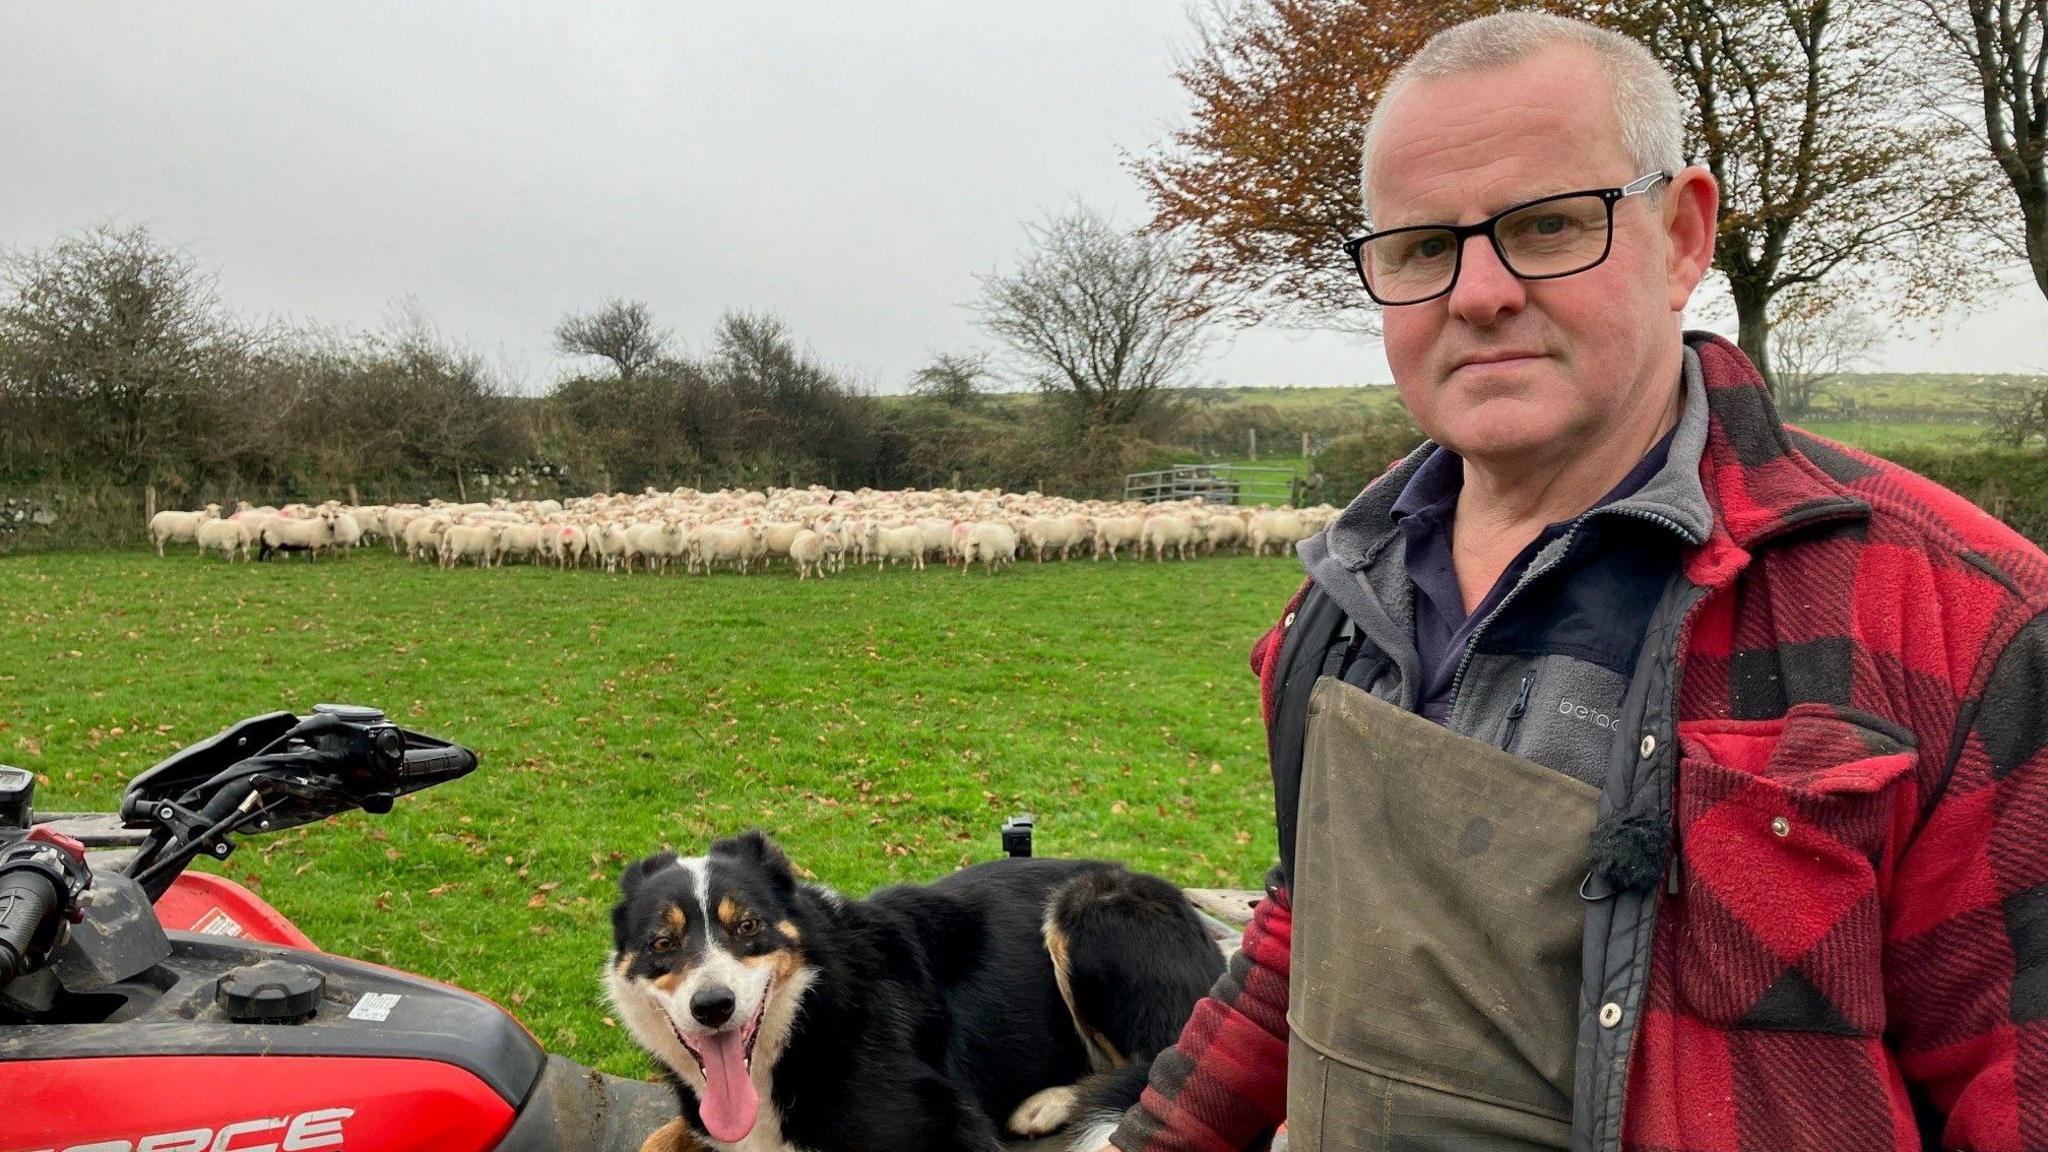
(1648, 774)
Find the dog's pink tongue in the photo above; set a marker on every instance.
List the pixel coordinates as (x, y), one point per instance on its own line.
(730, 1102)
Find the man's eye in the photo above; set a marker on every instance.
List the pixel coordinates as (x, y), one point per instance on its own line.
(1428, 248)
(662, 943)
(748, 927)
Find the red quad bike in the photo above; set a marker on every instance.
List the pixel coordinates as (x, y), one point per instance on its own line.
(147, 1009)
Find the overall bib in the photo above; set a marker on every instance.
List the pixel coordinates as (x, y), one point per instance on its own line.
(1434, 997)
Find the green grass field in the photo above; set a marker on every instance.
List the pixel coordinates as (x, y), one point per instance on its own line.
(881, 725)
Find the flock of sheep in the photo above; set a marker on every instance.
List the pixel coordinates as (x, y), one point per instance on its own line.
(816, 530)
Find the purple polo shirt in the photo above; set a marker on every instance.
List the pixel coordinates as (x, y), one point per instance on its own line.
(1443, 628)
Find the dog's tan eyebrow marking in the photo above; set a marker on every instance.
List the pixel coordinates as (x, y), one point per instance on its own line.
(674, 917)
(730, 913)
(788, 929)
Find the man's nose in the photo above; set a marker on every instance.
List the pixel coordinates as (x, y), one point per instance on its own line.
(1485, 290)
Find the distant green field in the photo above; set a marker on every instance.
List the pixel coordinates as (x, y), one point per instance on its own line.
(882, 725)
(1882, 391)
(1881, 438)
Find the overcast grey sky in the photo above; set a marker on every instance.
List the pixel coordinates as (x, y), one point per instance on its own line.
(849, 167)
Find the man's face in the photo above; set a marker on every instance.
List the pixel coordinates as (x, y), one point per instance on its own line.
(1502, 368)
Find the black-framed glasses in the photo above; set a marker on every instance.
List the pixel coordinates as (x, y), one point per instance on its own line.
(1537, 240)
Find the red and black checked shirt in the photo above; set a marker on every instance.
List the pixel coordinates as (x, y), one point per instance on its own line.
(1859, 924)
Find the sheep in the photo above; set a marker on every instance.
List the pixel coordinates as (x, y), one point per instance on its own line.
(395, 522)
(370, 517)
(1225, 529)
(290, 534)
(1168, 531)
(423, 537)
(477, 541)
(738, 545)
(777, 537)
(348, 531)
(1061, 532)
(565, 544)
(1280, 529)
(905, 543)
(937, 537)
(813, 551)
(992, 543)
(521, 540)
(179, 527)
(1114, 532)
(654, 544)
(225, 536)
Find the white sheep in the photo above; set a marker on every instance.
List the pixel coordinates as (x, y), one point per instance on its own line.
(348, 531)
(520, 540)
(1280, 529)
(287, 534)
(475, 541)
(991, 543)
(1168, 530)
(905, 543)
(226, 537)
(179, 527)
(812, 551)
(738, 545)
(1114, 532)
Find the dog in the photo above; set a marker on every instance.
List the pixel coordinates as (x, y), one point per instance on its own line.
(1017, 997)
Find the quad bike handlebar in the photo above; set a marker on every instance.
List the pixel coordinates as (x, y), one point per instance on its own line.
(265, 774)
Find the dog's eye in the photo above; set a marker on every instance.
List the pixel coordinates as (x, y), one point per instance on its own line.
(662, 943)
(748, 927)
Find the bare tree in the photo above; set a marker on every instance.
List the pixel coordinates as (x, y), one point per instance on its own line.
(1997, 51)
(952, 378)
(1813, 347)
(108, 342)
(1099, 316)
(455, 413)
(621, 331)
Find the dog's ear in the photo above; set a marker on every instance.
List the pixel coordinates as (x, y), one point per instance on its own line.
(630, 879)
(754, 847)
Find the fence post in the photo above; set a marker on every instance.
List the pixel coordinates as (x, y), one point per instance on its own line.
(148, 503)
(1254, 434)
(1304, 446)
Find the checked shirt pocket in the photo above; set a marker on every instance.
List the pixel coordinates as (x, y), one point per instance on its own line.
(1786, 830)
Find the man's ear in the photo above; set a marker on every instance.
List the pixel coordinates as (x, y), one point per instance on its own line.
(1692, 203)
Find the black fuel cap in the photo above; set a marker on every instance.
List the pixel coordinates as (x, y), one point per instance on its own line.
(272, 992)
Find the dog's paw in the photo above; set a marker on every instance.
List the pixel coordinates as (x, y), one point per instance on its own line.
(1042, 1112)
(674, 1136)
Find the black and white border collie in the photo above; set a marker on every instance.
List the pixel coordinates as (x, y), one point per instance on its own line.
(1012, 998)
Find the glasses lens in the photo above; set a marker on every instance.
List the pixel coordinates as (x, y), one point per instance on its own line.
(1412, 264)
(1556, 237)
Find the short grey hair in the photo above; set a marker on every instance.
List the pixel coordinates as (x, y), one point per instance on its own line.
(1641, 93)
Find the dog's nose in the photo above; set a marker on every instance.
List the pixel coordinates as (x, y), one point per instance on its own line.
(712, 1006)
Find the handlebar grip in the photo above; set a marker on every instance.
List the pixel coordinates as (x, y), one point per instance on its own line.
(27, 902)
(447, 760)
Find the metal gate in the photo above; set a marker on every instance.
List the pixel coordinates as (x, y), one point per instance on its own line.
(1216, 484)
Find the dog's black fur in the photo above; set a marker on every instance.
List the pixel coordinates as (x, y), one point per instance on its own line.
(934, 1010)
